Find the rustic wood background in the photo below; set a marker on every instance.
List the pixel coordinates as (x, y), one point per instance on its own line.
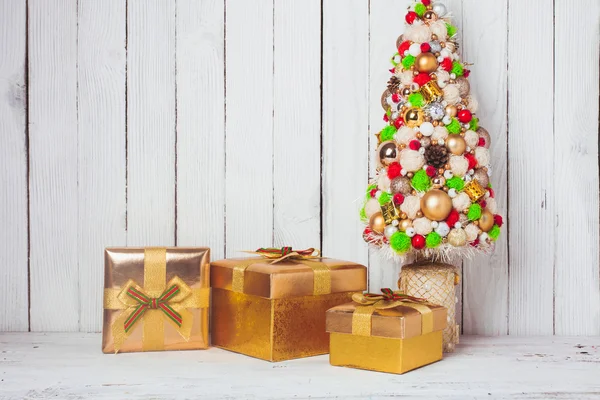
(237, 124)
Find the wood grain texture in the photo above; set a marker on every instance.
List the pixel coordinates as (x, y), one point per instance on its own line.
(531, 178)
(150, 122)
(101, 139)
(13, 167)
(53, 165)
(482, 368)
(249, 125)
(345, 126)
(297, 123)
(485, 278)
(201, 125)
(386, 21)
(577, 274)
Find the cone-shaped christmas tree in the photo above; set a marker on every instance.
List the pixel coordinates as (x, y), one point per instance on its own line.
(432, 193)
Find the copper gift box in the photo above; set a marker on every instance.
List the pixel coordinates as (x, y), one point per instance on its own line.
(393, 340)
(156, 299)
(276, 311)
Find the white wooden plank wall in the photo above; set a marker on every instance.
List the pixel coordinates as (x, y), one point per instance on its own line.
(236, 124)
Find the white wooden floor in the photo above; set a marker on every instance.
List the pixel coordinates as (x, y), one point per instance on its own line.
(71, 366)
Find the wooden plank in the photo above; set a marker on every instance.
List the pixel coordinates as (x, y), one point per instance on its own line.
(249, 125)
(577, 274)
(482, 368)
(150, 122)
(531, 168)
(102, 165)
(386, 24)
(200, 125)
(345, 126)
(13, 167)
(485, 280)
(297, 123)
(53, 165)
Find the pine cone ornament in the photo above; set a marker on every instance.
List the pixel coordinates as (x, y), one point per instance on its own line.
(393, 84)
(436, 155)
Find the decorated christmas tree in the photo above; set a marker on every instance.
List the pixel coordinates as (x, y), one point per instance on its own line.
(431, 194)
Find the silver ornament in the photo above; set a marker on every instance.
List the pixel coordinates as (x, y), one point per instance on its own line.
(389, 231)
(440, 9)
(435, 45)
(436, 111)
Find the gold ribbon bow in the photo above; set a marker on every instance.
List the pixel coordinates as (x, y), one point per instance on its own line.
(369, 303)
(153, 317)
(308, 257)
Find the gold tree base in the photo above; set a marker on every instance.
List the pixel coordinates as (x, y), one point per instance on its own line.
(437, 283)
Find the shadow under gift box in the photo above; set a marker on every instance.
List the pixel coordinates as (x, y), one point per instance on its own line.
(152, 269)
(396, 343)
(276, 316)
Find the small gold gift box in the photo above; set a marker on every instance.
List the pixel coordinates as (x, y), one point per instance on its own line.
(155, 299)
(273, 307)
(390, 333)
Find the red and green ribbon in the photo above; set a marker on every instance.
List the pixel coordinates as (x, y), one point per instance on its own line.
(149, 303)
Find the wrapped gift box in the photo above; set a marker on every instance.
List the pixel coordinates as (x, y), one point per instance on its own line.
(276, 311)
(386, 337)
(156, 299)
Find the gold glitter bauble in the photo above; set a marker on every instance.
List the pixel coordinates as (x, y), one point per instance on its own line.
(451, 111)
(401, 184)
(405, 224)
(426, 62)
(436, 205)
(482, 177)
(486, 222)
(464, 87)
(413, 117)
(377, 222)
(456, 144)
(457, 237)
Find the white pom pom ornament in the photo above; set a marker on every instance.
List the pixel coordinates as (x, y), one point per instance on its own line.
(406, 78)
(442, 229)
(461, 202)
(472, 138)
(411, 206)
(482, 155)
(418, 33)
(440, 29)
(459, 165)
(384, 182)
(412, 160)
(440, 133)
(372, 207)
(492, 206)
(451, 94)
(404, 135)
(472, 232)
(427, 129)
(422, 226)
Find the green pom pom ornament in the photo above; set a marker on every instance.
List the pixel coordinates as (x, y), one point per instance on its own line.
(388, 133)
(494, 233)
(385, 198)
(454, 126)
(474, 124)
(421, 181)
(420, 9)
(416, 100)
(457, 69)
(400, 242)
(451, 29)
(474, 212)
(363, 214)
(433, 240)
(408, 61)
(455, 183)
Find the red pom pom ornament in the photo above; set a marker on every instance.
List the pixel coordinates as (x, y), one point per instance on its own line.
(414, 145)
(398, 199)
(498, 220)
(404, 46)
(452, 218)
(472, 160)
(447, 64)
(425, 47)
(431, 171)
(422, 79)
(393, 170)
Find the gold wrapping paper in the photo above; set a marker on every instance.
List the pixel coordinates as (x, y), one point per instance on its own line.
(278, 316)
(399, 341)
(150, 270)
(435, 282)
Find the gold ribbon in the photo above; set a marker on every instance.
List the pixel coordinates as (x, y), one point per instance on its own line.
(369, 303)
(155, 270)
(322, 272)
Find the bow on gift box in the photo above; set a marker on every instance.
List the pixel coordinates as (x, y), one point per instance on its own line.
(152, 305)
(309, 257)
(368, 303)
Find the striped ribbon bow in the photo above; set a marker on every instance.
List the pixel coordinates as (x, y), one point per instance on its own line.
(149, 303)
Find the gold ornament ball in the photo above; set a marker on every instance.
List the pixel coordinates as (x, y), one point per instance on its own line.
(451, 111)
(436, 205)
(388, 153)
(404, 225)
(430, 16)
(426, 62)
(486, 222)
(401, 184)
(413, 117)
(457, 237)
(406, 92)
(456, 144)
(377, 223)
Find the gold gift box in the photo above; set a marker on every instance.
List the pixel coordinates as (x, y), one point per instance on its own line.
(395, 344)
(177, 323)
(274, 314)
